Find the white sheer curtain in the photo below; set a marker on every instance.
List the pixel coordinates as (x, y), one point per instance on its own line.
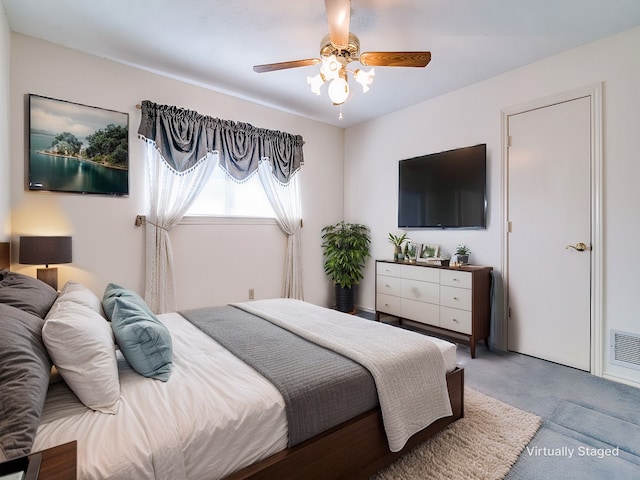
(170, 195)
(285, 200)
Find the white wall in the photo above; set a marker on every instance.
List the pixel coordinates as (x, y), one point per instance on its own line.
(5, 196)
(473, 115)
(214, 262)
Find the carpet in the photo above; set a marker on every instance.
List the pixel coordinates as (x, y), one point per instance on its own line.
(483, 445)
(584, 443)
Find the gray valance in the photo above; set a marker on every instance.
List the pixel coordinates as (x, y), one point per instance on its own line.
(184, 137)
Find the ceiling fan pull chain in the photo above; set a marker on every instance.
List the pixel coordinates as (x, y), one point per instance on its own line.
(340, 116)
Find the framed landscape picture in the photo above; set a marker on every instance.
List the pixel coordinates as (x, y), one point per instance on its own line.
(77, 148)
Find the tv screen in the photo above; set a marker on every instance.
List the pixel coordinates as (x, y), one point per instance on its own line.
(444, 190)
(77, 148)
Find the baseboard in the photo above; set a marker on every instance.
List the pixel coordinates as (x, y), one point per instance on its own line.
(626, 381)
(365, 309)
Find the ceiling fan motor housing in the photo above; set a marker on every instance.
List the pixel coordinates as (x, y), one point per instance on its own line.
(349, 52)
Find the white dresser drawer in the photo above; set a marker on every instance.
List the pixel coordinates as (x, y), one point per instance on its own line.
(389, 285)
(455, 278)
(456, 320)
(455, 297)
(425, 274)
(421, 291)
(388, 304)
(389, 269)
(428, 313)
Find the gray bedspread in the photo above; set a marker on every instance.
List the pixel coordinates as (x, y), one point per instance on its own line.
(321, 388)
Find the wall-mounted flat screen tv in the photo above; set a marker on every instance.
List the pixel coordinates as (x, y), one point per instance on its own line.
(444, 190)
(77, 148)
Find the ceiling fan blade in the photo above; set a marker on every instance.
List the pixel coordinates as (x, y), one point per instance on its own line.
(338, 16)
(270, 67)
(395, 59)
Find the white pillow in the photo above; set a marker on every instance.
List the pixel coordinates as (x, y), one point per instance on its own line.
(81, 344)
(78, 293)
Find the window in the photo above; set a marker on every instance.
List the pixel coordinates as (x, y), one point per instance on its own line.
(225, 197)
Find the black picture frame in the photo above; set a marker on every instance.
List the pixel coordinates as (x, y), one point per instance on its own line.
(77, 148)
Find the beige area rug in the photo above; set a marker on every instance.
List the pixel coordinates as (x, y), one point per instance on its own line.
(483, 445)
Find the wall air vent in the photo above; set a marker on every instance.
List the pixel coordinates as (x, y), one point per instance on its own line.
(625, 349)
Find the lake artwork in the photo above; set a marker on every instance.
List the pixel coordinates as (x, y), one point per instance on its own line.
(77, 148)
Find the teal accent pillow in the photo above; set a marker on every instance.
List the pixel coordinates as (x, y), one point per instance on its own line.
(113, 291)
(143, 339)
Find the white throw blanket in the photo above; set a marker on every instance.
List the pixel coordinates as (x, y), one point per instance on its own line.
(407, 367)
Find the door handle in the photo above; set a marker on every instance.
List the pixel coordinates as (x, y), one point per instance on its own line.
(580, 247)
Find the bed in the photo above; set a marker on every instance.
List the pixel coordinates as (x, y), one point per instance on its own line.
(212, 415)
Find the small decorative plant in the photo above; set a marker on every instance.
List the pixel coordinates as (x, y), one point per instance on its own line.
(462, 254)
(397, 241)
(462, 250)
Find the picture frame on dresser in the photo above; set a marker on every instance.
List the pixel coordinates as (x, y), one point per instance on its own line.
(428, 251)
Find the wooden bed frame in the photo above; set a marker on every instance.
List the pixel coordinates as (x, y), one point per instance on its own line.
(5, 255)
(354, 450)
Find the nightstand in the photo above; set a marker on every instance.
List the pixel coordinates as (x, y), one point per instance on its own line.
(59, 463)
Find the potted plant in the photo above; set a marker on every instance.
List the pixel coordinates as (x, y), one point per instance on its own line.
(462, 254)
(345, 247)
(397, 241)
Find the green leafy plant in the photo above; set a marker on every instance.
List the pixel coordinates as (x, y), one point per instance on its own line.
(397, 240)
(462, 250)
(346, 248)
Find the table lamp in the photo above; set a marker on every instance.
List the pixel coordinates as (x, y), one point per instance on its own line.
(45, 251)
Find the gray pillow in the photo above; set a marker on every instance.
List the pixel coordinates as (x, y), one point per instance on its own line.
(143, 339)
(24, 378)
(26, 293)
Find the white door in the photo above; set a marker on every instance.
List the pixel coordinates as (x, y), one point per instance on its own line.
(549, 202)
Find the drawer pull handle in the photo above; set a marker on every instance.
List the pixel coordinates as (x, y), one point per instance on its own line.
(455, 320)
(455, 298)
(388, 286)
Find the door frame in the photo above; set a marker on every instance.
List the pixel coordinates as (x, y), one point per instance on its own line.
(594, 93)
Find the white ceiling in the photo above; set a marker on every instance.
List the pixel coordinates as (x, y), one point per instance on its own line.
(215, 43)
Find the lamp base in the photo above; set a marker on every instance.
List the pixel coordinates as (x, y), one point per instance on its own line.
(49, 276)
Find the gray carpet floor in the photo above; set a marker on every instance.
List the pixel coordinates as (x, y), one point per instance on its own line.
(591, 426)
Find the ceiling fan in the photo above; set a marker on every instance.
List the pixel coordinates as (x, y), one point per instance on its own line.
(338, 49)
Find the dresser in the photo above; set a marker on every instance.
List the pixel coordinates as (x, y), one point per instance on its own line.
(448, 300)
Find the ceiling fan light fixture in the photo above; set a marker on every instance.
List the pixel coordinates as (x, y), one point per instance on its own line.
(331, 67)
(364, 78)
(338, 90)
(315, 83)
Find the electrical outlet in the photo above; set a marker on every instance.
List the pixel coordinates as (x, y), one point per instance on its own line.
(251, 294)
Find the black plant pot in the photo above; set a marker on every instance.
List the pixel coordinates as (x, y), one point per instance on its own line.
(345, 299)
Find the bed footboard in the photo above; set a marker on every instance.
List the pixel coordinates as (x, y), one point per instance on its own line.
(354, 450)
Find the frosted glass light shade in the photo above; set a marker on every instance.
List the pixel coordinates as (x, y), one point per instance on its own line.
(364, 78)
(338, 90)
(315, 83)
(330, 68)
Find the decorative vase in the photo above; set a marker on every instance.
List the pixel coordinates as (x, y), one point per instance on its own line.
(462, 259)
(397, 251)
(345, 299)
